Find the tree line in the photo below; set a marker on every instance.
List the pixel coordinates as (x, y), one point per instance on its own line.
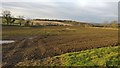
(113, 24)
(8, 19)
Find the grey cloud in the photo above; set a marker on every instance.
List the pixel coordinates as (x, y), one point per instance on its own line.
(64, 10)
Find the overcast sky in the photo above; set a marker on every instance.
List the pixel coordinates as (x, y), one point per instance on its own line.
(94, 11)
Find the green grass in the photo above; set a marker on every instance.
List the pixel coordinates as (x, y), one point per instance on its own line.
(107, 56)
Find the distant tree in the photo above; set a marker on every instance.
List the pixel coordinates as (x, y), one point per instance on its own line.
(21, 19)
(37, 24)
(105, 24)
(7, 16)
(32, 23)
(27, 23)
(114, 24)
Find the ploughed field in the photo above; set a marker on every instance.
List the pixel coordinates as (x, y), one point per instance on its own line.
(37, 43)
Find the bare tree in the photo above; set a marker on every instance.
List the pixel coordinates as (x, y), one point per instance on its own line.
(114, 24)
(105, 24)
(27, 22)
(21, 19)
(7, 15)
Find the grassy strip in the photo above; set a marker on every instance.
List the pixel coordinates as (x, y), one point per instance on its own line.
(107, 56)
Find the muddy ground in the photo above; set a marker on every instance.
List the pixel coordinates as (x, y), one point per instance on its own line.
(41, 46)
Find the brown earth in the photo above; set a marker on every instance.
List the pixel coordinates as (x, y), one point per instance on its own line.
(43, 46)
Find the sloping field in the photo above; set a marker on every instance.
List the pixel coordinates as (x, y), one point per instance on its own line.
(44, 42)
(50, 23)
